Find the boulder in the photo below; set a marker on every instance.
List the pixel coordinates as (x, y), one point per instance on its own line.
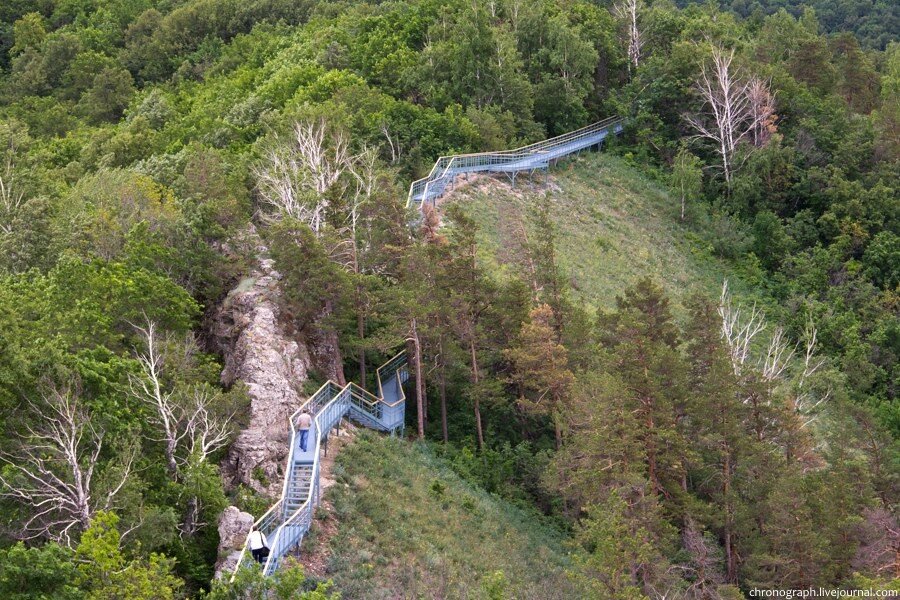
(272, 365)
(234, 525)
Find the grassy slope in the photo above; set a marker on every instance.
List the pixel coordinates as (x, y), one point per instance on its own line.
(614, 227)
(410, 528)
(407, 526)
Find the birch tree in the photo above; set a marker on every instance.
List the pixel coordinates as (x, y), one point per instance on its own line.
(295, 177)
(736, 108)
(189, 424)
(783, 361)
(687, 177)
(12, 197)
(54, 472)
(629, 12)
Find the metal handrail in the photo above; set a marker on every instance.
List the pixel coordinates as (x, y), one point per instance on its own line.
(319, 404)
(446, 167)
(305, 508)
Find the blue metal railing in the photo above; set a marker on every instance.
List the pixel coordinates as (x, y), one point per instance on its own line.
(285, 526)
(527, 158)
(287, 522)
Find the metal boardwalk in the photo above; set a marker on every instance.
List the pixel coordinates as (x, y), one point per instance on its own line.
(527, 158)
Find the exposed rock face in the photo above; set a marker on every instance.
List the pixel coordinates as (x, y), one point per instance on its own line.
(270, 363)
(234, 525)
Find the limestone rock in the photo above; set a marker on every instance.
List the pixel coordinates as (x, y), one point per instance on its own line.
(272, 365)
(234, 525)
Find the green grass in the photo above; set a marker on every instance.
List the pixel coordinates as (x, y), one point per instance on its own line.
(408, 527)
(614, 226)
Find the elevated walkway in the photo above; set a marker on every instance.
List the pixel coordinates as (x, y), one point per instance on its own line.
(527, 158)
(288, 521)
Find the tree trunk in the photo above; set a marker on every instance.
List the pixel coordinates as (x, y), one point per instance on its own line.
(477, 402)
(171, 465)
(420, 382)
(558, 428)
(334, 365)
(361, 332)
(730, 558)
(191, 517)
(651, 449)
(442, 382)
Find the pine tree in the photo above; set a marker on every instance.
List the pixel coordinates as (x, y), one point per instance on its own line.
(540, 369)
(718, 421)
(640, 345)
(471, 294)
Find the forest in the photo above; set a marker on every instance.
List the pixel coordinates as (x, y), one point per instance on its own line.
(744, 439)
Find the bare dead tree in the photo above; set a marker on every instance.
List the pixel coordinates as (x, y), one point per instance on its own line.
(762, 108)
(52, 473)
(779, 354)
(190, 429)
(879, 552)
(11, 201)
(704, 565)
(738, 328)
(148, 387)
(628, 11)
(11, 198)
(364, 169)
(735, 107)
(295, 177)
(775, 366)
(806, 402)
(187, 429)
(204, 430)
(394, 144)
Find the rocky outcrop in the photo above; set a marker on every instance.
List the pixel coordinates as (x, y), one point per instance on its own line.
(271, 364)
(234, 525)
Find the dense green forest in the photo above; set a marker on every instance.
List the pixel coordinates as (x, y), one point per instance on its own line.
(874, 24)
(691, 453)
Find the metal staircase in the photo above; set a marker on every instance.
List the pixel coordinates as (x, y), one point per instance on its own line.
(288, 521)
(527, 158)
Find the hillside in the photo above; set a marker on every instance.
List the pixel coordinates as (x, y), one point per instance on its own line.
(614, 226)
(202, 220)
(408, 527)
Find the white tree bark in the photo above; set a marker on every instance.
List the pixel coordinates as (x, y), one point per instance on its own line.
(188, 429)
(205, 432)
(735, 108)
(11, 198)
(148, 387)
(779, 363)
(628, 11)
(738, 328)
(52, 474)
(296, 177)
(806, 402)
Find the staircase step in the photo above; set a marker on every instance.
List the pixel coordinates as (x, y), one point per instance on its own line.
(300, 483)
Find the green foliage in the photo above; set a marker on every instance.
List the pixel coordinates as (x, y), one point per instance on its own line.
(304, 264)
(287, 583)
(871, 22)
(28, 32)
(131, 131)
(687, 177)
(104, 573)
(618, 551)
(37, 573)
